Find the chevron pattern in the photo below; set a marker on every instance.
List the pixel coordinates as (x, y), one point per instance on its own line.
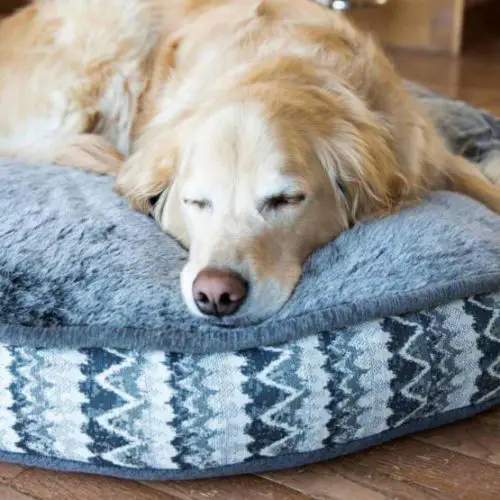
(341, 351)
(177, 412)
(412, 363)
(64, 401)
(9, 438)
(487, 323)
(271, 427)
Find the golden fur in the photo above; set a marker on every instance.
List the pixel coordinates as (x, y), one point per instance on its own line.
(274, 124)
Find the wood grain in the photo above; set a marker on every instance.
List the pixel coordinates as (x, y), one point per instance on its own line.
(469, 438)
(432, 467)
(341, 479)
(8, 493)
(47, 485)
(491, 417)
(232, 488)
(8, 472)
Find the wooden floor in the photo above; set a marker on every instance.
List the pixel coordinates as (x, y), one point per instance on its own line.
(475, 77)
(460, 461)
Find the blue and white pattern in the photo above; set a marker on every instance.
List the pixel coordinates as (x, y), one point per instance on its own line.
(185, 413)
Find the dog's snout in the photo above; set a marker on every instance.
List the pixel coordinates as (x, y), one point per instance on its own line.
(219, 292)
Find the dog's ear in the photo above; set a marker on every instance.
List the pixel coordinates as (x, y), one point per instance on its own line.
(165, 56)
(160, 64)
(362, 169)
(150, 169)
(147, 173)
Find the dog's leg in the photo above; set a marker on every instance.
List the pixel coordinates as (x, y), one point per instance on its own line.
(466, 178)
(77, 149)
(90, 152)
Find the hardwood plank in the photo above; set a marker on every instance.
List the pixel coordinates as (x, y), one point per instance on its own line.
(435, 468)
(473, 438)
(340, 479)
(9, 472)
(8, 493)
(473, 78)
(49, 485)
(437, 71)
(491, 417)
(230, 488)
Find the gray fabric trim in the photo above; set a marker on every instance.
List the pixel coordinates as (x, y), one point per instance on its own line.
(217, 339)
(254, 466)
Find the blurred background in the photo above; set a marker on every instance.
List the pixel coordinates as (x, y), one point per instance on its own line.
(437, 25)
(432, 25)
(452, 46)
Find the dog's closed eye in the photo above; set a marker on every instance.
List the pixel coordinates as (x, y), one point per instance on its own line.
(281, 201)
(201, 204)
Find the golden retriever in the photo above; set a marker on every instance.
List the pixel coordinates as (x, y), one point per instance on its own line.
(254, 131)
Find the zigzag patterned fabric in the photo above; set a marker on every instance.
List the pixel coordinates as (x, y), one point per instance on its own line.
(160, 415)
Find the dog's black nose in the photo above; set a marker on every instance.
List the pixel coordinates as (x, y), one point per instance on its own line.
(219, 292)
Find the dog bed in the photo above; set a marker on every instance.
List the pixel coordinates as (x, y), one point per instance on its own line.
(394, 328)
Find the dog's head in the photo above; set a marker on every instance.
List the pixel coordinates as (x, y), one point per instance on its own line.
(254, 185)
(259, 176)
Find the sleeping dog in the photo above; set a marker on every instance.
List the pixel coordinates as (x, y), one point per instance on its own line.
(253, 131)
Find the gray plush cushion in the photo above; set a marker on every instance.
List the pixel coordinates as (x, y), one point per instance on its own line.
(90, 314)
(79, 268)
(470, 132)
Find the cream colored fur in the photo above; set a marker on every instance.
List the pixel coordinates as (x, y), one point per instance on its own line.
(273, 125)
